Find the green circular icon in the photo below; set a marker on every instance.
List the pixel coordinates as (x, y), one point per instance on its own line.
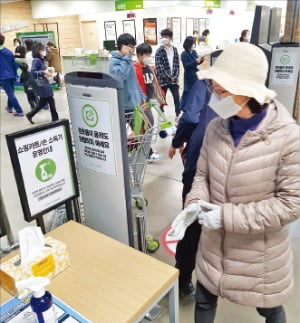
(284, 59)
(89, 115)
(45, 170)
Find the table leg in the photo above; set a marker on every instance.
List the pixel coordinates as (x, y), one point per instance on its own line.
(174, 303)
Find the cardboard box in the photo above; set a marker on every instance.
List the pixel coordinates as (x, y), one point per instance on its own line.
(54, 260)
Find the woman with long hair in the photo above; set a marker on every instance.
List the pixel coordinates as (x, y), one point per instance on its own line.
(43, 88)
(190, 62)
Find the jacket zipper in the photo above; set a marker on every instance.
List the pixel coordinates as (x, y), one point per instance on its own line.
(234, 150)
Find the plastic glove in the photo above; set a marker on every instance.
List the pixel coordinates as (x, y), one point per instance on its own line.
(184, 219)
(210, 215)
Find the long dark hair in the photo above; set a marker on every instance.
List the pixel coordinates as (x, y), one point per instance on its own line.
(188, 43)
(36, 47)
(254, 106)
(243, 34)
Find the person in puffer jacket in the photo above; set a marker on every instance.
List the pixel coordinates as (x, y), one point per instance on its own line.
(246, 189)
(39, 71)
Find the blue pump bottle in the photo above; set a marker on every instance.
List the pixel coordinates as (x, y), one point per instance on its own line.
(41, 301)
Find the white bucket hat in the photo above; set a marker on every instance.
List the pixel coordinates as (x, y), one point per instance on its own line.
(241, 69)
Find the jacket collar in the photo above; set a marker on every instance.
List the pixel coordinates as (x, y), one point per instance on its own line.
(277, 117)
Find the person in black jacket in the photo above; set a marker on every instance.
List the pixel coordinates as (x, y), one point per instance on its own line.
(19, 49)
(190, 62)
(40, 74)
(28, 84)
(190, 132)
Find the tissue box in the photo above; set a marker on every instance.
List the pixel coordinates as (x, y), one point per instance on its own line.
(53, 260)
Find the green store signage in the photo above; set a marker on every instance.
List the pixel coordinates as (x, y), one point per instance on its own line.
(45, 170)
(212, 4)
(128, 4)
(90, 115)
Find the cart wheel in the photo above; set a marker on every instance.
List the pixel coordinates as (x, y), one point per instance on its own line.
(139, 204)
(152, 245)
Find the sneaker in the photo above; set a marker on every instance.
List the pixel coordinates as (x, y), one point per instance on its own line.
(9, 110)
(187, 290)
(46, 107)
(154, 157)
(18, 114)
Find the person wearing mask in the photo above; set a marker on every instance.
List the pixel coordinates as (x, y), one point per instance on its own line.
(188, 139)
(145, 76)
(245, 36)
(8, 75)
(195, 38)
(190, 62)
(204, 37)
(246, 190)
(167, 67)
(121, 65)
(19, 49)
(54, 61)
(28, 56)
(43, 88)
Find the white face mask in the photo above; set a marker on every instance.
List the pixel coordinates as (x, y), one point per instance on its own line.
(147, 60)
(165, 41)
(225, 107)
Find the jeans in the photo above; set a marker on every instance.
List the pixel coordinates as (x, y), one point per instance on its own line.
(43, 102)
(174, 88)
(206, 307)
(12, 102)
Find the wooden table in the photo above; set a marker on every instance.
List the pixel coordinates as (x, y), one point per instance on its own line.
(109, 281)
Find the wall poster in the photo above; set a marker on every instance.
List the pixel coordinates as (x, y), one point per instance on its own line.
(110, 30)
(129, 27)
(161, 24)
(176, 27)
(202, 25)
(150, 31)
(189, 26)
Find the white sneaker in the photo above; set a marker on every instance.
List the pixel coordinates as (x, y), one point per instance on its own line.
(154, 158)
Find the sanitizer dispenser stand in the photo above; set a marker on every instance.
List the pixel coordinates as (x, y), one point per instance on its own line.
(98, 126)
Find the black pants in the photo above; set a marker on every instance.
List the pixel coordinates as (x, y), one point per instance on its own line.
(32, 98)
(187, 247)
(57, 80)
(174, 88)
(206, 307)
(43, 102)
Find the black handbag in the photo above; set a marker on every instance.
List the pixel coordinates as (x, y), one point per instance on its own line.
(41, 82)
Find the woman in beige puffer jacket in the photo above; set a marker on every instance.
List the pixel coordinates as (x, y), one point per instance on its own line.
(254, 190)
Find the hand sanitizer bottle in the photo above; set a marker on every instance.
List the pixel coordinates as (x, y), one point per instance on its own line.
(167, 132)
(41, 301)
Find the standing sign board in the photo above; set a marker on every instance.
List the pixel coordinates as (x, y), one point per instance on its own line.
(93, 126)
(98, 125)
(44, 167)
(284, 72)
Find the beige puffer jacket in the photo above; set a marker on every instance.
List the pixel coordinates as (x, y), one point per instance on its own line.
(249, 260)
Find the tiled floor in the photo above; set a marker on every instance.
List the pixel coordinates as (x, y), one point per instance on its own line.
(162, 187)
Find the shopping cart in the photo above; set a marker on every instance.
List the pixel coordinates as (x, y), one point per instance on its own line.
(140, 136)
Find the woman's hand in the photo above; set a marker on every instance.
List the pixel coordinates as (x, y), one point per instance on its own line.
(200, 60)
(47, 73)
(171, 152)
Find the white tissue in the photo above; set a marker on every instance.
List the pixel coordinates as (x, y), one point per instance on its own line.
(32, 243)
